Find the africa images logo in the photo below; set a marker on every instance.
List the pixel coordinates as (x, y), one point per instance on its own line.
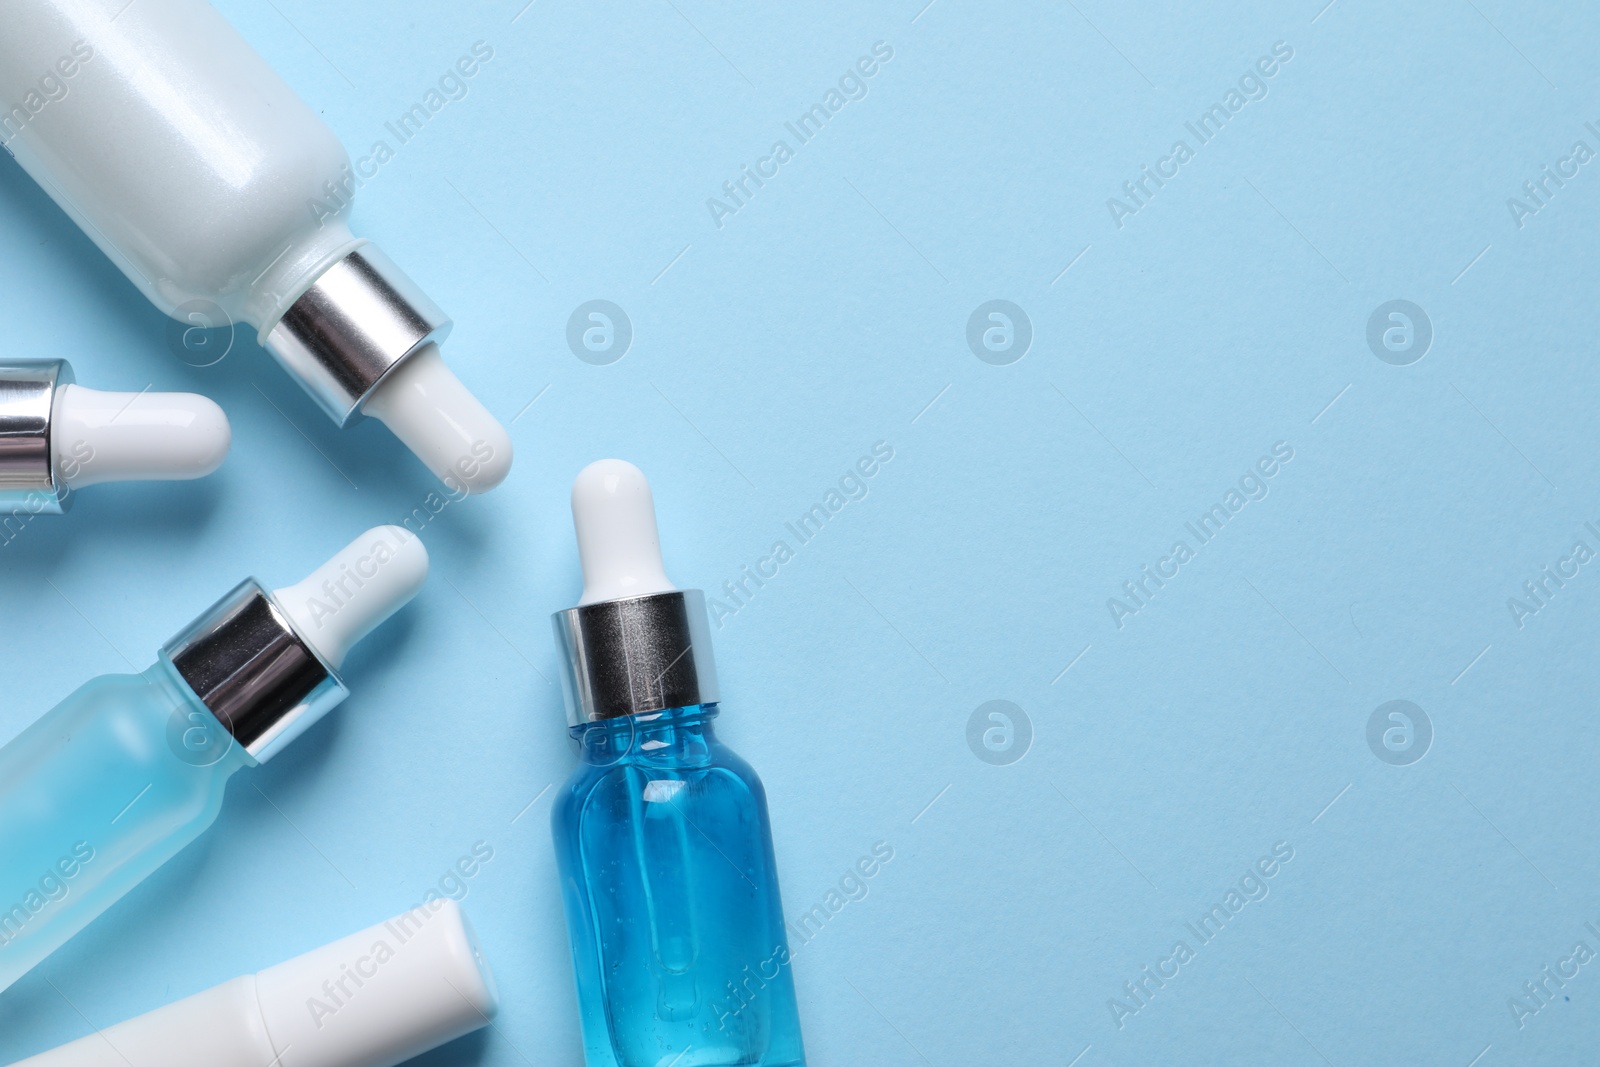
(1251, 86)
(53, 86)
(852, 85)
(51, 887)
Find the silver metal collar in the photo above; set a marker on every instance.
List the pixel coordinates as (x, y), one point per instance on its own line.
(28, 479)
(636, 655)
(359, 321)
(246, 663)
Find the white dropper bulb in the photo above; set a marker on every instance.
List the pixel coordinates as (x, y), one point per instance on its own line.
(128, 437)
(425, 405)
(615, 518)
(349, 596)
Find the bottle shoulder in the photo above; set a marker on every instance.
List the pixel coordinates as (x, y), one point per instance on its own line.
(140, 720)
(676, 754)
(724, 780)
(117, 689)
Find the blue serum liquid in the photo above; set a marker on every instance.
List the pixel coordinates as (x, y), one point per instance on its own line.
(108, 786)
(665, 853)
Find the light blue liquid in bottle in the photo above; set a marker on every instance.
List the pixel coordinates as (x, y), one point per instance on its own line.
(120, 776)
(662, 836)
(95, 796)
(671, 894)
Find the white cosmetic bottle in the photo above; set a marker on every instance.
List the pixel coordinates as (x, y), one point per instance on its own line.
(373, 999)
(206, 179)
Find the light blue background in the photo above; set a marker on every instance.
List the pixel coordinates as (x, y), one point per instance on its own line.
(830, 313)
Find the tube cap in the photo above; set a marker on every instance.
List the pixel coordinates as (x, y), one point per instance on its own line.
(635, 643)
(382, 996)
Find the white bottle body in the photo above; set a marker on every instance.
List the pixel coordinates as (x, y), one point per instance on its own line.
(173, 144)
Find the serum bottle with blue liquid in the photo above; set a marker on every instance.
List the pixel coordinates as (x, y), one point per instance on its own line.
(662, 835)
(121, 775)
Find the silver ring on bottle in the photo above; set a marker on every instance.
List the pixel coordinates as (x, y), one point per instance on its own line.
(28, 478)
(636, 655)
(245, 662)
(357, 322)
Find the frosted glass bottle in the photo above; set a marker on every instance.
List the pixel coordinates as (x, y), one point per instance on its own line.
(116, 779)
(662, 835)
(97, 795)
(217, 191)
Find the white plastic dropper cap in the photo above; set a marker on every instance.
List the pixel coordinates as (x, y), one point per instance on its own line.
(127, 437)
(618, 544)
(354, 592)
(425, 405)
(373, 999)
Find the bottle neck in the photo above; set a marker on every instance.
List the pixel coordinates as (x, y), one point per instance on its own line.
(194, 734)
(303, 258)
(244, 660)
(676, 735)
(633, 655)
